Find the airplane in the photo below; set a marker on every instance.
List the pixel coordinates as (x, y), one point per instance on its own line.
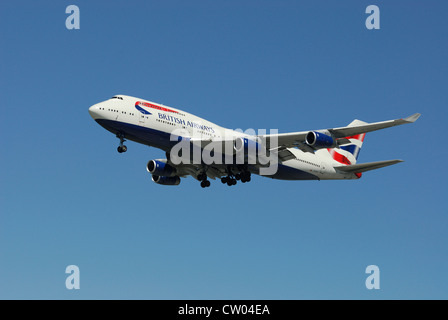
(324, 154)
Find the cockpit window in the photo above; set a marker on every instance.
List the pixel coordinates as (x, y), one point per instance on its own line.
(117, 97)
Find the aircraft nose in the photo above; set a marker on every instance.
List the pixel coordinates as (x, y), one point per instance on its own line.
(94, 111)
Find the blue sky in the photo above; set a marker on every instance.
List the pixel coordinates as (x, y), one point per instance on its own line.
(68, 198)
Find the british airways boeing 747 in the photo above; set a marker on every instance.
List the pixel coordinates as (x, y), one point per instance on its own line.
(204, 150)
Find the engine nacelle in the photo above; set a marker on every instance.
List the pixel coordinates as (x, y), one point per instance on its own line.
(160, 168)
(247, 145)
(319, 140)
(166, 181)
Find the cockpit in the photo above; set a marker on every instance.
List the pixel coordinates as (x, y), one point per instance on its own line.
(117, 97)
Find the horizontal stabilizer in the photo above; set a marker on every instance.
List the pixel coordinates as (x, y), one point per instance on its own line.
(363, 167)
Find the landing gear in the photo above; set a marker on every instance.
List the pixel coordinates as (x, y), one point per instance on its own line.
(245, 176)
(231, 179)
(204, 182)
(121, 148)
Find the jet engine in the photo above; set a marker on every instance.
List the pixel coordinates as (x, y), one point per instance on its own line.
(319, 140)
(167, 181)
(160, 168)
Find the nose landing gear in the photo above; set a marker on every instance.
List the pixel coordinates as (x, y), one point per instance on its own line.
(121, 148)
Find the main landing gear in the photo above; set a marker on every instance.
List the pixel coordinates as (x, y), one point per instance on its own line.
(231, 179)
(204, 182)
(121, 148)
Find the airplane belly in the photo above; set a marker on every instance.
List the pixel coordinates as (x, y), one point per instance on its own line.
(285, 172)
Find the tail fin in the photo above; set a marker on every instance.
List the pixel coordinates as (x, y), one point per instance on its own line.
(348, 153)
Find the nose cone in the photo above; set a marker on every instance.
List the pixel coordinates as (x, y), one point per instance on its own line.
(94, 111)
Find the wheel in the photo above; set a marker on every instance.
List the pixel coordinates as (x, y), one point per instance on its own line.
(224, 179)
(238, 176)
(203, 183)
(243, 180)
(233, 182)
(248, 179)
(120, 150)
(124, 149)
(207, 183)
(229, 182)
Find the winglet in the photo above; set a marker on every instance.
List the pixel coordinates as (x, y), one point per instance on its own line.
(412, 118)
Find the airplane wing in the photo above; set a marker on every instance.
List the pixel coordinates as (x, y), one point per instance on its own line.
(297, 139)
(363, 167)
